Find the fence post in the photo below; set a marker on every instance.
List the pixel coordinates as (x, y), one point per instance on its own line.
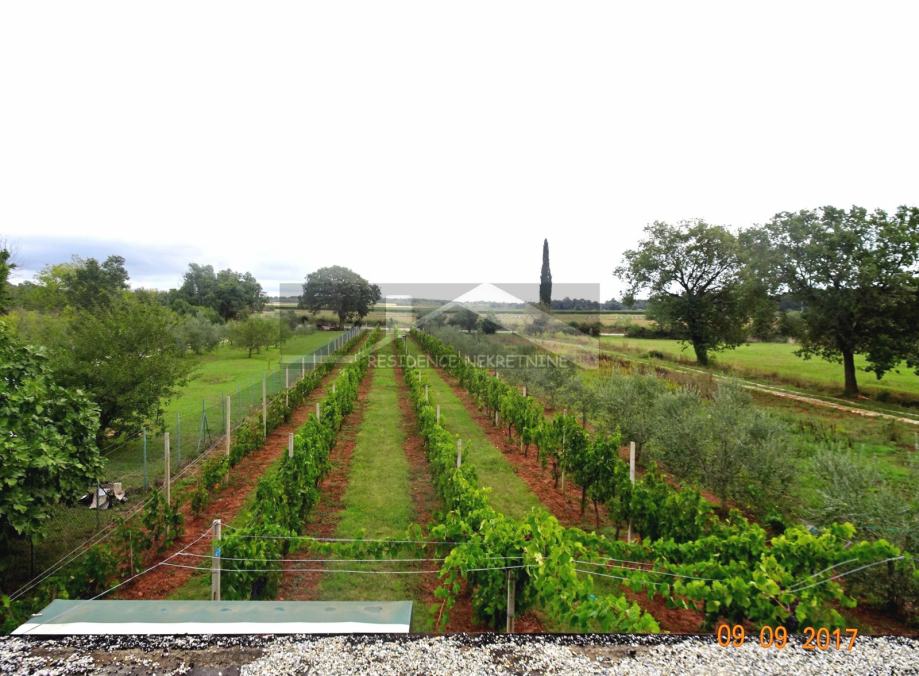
(286, 386)
(631, 478)
(302, 367)
(438, 414)
(511, 593)
(168, 468)
(290, 445)
(145, 458)
(215, 562)
(318, 412)
(229, 424)
(264, 407)
(459, 452)
(333, 388)
(524, 389)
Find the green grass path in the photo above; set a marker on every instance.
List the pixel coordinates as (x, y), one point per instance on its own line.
(378, 503)
(509, 493)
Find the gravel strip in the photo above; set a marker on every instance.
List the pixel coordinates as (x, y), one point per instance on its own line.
(468, 655)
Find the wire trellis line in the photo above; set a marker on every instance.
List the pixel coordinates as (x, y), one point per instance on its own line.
(646, 570)
(377, 560)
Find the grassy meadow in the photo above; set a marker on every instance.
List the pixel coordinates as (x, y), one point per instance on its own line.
(777, 362)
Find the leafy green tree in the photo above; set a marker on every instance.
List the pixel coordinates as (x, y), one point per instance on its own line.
(693, 273)
(90, 283)
(489, 325)
(48, 443)
(231, 294)
(749, 451)
(465, 319)
(125, 357)
(629, 404)
(681, 436)
(855, 274)
(340, 290)
(198, 333)
(252, 333)
(5, 268)
(79, 283)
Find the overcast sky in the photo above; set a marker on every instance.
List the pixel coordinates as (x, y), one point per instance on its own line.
(438, 142)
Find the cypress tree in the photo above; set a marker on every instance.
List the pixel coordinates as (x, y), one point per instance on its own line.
(545, 278)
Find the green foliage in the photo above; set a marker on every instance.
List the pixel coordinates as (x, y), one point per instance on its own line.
(162, 522)
(252, 333)
(6, 267)
(198, 334)
(855, 274)
(82, 283)
(124, 357)
(340, 290)
(48, 443)
(465, 319)
(545, 278)
(693, 274)
(681, 434)
(628, 402)
(231, 294)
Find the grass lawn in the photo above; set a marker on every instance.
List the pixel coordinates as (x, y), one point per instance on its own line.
(509, 494)
(378, 504)
(777, 362)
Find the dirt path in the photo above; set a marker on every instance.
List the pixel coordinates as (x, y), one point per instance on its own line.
(226, 504)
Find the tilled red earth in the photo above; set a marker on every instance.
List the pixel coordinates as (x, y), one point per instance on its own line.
(227, 503)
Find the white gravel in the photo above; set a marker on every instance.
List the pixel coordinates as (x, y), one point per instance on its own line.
(459, 654)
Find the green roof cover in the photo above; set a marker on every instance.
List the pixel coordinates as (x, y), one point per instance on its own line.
(219, 617)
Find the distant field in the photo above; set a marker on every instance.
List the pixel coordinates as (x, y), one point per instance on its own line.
(777, 362)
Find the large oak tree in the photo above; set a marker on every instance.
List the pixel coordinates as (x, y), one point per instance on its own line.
(692, 272)
(856, 274)
(340, 290)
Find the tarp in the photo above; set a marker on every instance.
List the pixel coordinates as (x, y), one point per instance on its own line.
(219, 617)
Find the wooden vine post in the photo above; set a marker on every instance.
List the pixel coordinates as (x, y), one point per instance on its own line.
(215, 561)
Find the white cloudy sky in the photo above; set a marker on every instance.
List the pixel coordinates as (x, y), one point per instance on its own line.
(437, 142)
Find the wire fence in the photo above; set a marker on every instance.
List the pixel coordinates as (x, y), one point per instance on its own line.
(138, 463)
